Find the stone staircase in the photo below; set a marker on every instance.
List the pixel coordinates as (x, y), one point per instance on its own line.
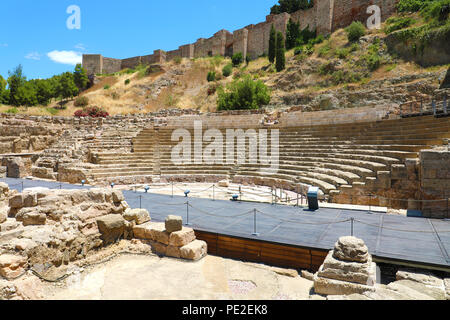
(333, 157)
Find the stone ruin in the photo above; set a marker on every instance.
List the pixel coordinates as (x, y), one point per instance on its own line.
(347, 269)
(349, 273)
(41, 229)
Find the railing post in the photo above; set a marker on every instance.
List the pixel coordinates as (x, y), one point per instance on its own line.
(240, 193)
(187, 213)
(352, 220)
(22, 186)
(214, 192)
(433, 105)
(140, 202)
(421, 106)
(255, 233)
(172, 189)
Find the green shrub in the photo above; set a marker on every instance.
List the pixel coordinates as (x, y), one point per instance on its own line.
(52, 111)
(177, 60)
(436, 10)
(227, 70)
(341, 76)
(308, 49)
(327, 68)
(411, 5)
(127, 82)
(243, 94)
(397, 23)
(81, 102)
(211, 76)
(342, 53)
(324, 50)
(237, 59)
(13, 110)
(107, 87)
(355, 31)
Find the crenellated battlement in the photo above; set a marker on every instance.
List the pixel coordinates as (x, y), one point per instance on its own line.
(325, 16)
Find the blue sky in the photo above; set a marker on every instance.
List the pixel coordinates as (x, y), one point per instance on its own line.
(31, 29)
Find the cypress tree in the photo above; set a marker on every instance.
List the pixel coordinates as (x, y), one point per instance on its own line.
(280, 53)
(272, 44)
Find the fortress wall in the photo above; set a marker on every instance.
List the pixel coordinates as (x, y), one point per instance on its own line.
(93, 63)
(347, 11)
(187, 51)
(240, 41)
(305, 18)
(170, 55)
(131, 62)
(326, 16)
(111, 65)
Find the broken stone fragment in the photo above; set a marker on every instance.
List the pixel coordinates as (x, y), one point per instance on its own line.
(139, 216)
(174, 223)
(195, 250)
(351, 249)
(12, 266)
(111, 227)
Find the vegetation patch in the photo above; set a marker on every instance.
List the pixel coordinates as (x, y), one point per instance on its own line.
(243, 94)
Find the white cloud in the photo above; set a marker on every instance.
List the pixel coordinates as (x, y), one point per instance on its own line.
(33, 56)
(80, 46)
(3, 44)
(65, 57)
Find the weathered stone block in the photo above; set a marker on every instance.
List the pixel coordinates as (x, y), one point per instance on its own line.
(351, 249)
(327, 286)
(16, 201)
(174, 223)
(117, 196)
(182, 238)
(111, 227)
(139, 216)
(173, 252)
(195, 250)
(12, 266)
(33, 219)
(142, 232)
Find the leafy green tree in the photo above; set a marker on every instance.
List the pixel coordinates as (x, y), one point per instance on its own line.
(272, 44)
(45, 91)
(291, 6)
(80, 77)
(16, 80)
(66, 87)
(292, 34)
(26, 95)
(4, 93)
(281, 53)
(243, 94)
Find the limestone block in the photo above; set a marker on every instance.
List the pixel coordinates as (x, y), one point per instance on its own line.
(111, 227)
(351, 249)
(30, 200)
(9, 224)
(307, 275)
(16, 201)
(362, 273)
(224, 184)
(195, 250)
(437, 293)
(142, 232)
(3, 214)
(33, 218)
(181, 238)
(327, 286)
(174, 223)
(12, 266)
(3, 171)
(139, 216)
(173, 252)
(447, 288)
(426, 278)
(159, 248)
(117, 196)
(407, 290)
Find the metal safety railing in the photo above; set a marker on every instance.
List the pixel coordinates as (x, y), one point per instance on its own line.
(425, 107)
